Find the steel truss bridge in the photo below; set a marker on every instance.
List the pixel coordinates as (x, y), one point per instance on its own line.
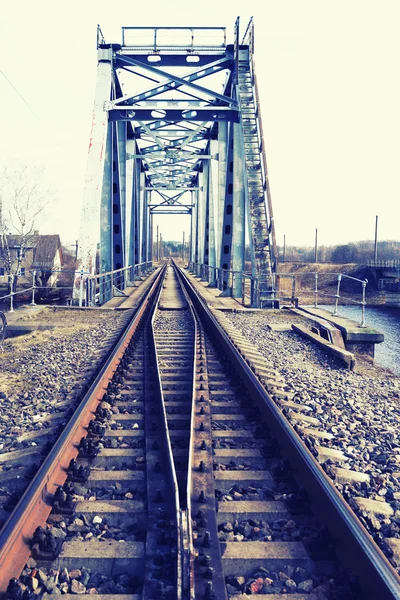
(177, 130)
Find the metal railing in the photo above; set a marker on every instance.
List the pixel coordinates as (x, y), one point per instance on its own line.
(261, 292)
(86, 289)
(337, 296)
(251, 288)
(101, 287)
(187, 39)
(395, 263)
(33, 288)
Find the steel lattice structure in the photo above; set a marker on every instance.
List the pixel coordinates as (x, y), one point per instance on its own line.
(177, 129)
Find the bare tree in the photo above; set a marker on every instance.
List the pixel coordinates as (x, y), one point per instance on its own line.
(23, 197)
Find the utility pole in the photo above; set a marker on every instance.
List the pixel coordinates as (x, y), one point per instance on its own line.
(161, 248)
(76, 246)
(376, 240)
(284, 248)
(316, 246)
(183, 247)
(158, 246)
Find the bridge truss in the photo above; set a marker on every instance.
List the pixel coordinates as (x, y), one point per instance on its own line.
(177, 130)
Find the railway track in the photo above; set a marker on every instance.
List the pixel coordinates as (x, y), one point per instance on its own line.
(178, 477)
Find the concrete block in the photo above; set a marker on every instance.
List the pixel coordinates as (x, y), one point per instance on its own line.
(246, 557)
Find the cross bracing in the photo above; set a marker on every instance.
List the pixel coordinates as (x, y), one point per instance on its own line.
(177, 130)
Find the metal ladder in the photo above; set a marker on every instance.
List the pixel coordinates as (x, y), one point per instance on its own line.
(260, 227)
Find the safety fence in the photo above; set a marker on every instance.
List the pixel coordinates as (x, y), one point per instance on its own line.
(259, 292)
(85, 289)
(32, 290)
(249, 290)
(100, 288)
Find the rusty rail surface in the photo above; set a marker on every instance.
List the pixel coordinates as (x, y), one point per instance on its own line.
(36, 503)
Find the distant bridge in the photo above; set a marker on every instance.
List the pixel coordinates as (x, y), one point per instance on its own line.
(188, 143)
(387, 277)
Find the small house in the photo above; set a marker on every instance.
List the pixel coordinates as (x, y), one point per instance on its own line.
(40, 253)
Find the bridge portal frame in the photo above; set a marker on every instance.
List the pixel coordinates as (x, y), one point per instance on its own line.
(151, 148)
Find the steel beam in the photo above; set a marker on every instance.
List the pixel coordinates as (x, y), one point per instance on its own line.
(93, 192)
(201, 216)
(239, 213)
(213, 200)
(227, 218)
(118, 195)
(106, 217)
(142, 113)
(220, 197)
(130, 205)
(137, 211)
(178, 80)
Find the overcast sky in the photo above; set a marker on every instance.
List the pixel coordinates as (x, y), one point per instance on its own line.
(330, 97)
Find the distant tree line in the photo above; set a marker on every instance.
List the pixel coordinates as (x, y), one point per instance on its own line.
(354, 252)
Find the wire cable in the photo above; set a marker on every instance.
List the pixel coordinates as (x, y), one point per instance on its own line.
(22, 98)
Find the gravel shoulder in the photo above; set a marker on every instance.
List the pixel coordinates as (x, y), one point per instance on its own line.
(44, 373)
(360, 409)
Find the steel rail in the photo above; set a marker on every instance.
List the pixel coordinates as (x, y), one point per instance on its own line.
(187, 558)
(356, 548)
(36, 503)
(179, 574)
(209, 505)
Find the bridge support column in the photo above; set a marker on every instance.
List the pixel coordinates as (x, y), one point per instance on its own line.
(213, 199)
(106, 241)
(93, 192)
(239, 212)
(221, 187)
(130, 205)
(227, 220)
(201, 215)
(118, 197)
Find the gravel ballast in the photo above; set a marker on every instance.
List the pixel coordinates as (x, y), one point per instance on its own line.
(360, 409)
(43, 375)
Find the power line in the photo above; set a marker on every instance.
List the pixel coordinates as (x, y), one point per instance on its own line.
(22, 98)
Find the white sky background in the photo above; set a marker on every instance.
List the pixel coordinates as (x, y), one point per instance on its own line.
(330, 96)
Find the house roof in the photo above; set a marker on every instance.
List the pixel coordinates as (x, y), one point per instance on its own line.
(14, 241)
(46, 249)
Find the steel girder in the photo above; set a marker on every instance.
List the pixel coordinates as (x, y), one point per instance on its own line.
(193, 129)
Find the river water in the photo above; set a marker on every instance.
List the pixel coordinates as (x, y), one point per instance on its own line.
(386, 320)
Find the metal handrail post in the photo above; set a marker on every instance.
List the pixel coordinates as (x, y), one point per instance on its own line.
(11, 293)
(252, 291)
(337, 295)
(33, 288)
(364, 285)
(81, 290)
(89, 285)
(316, 291)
